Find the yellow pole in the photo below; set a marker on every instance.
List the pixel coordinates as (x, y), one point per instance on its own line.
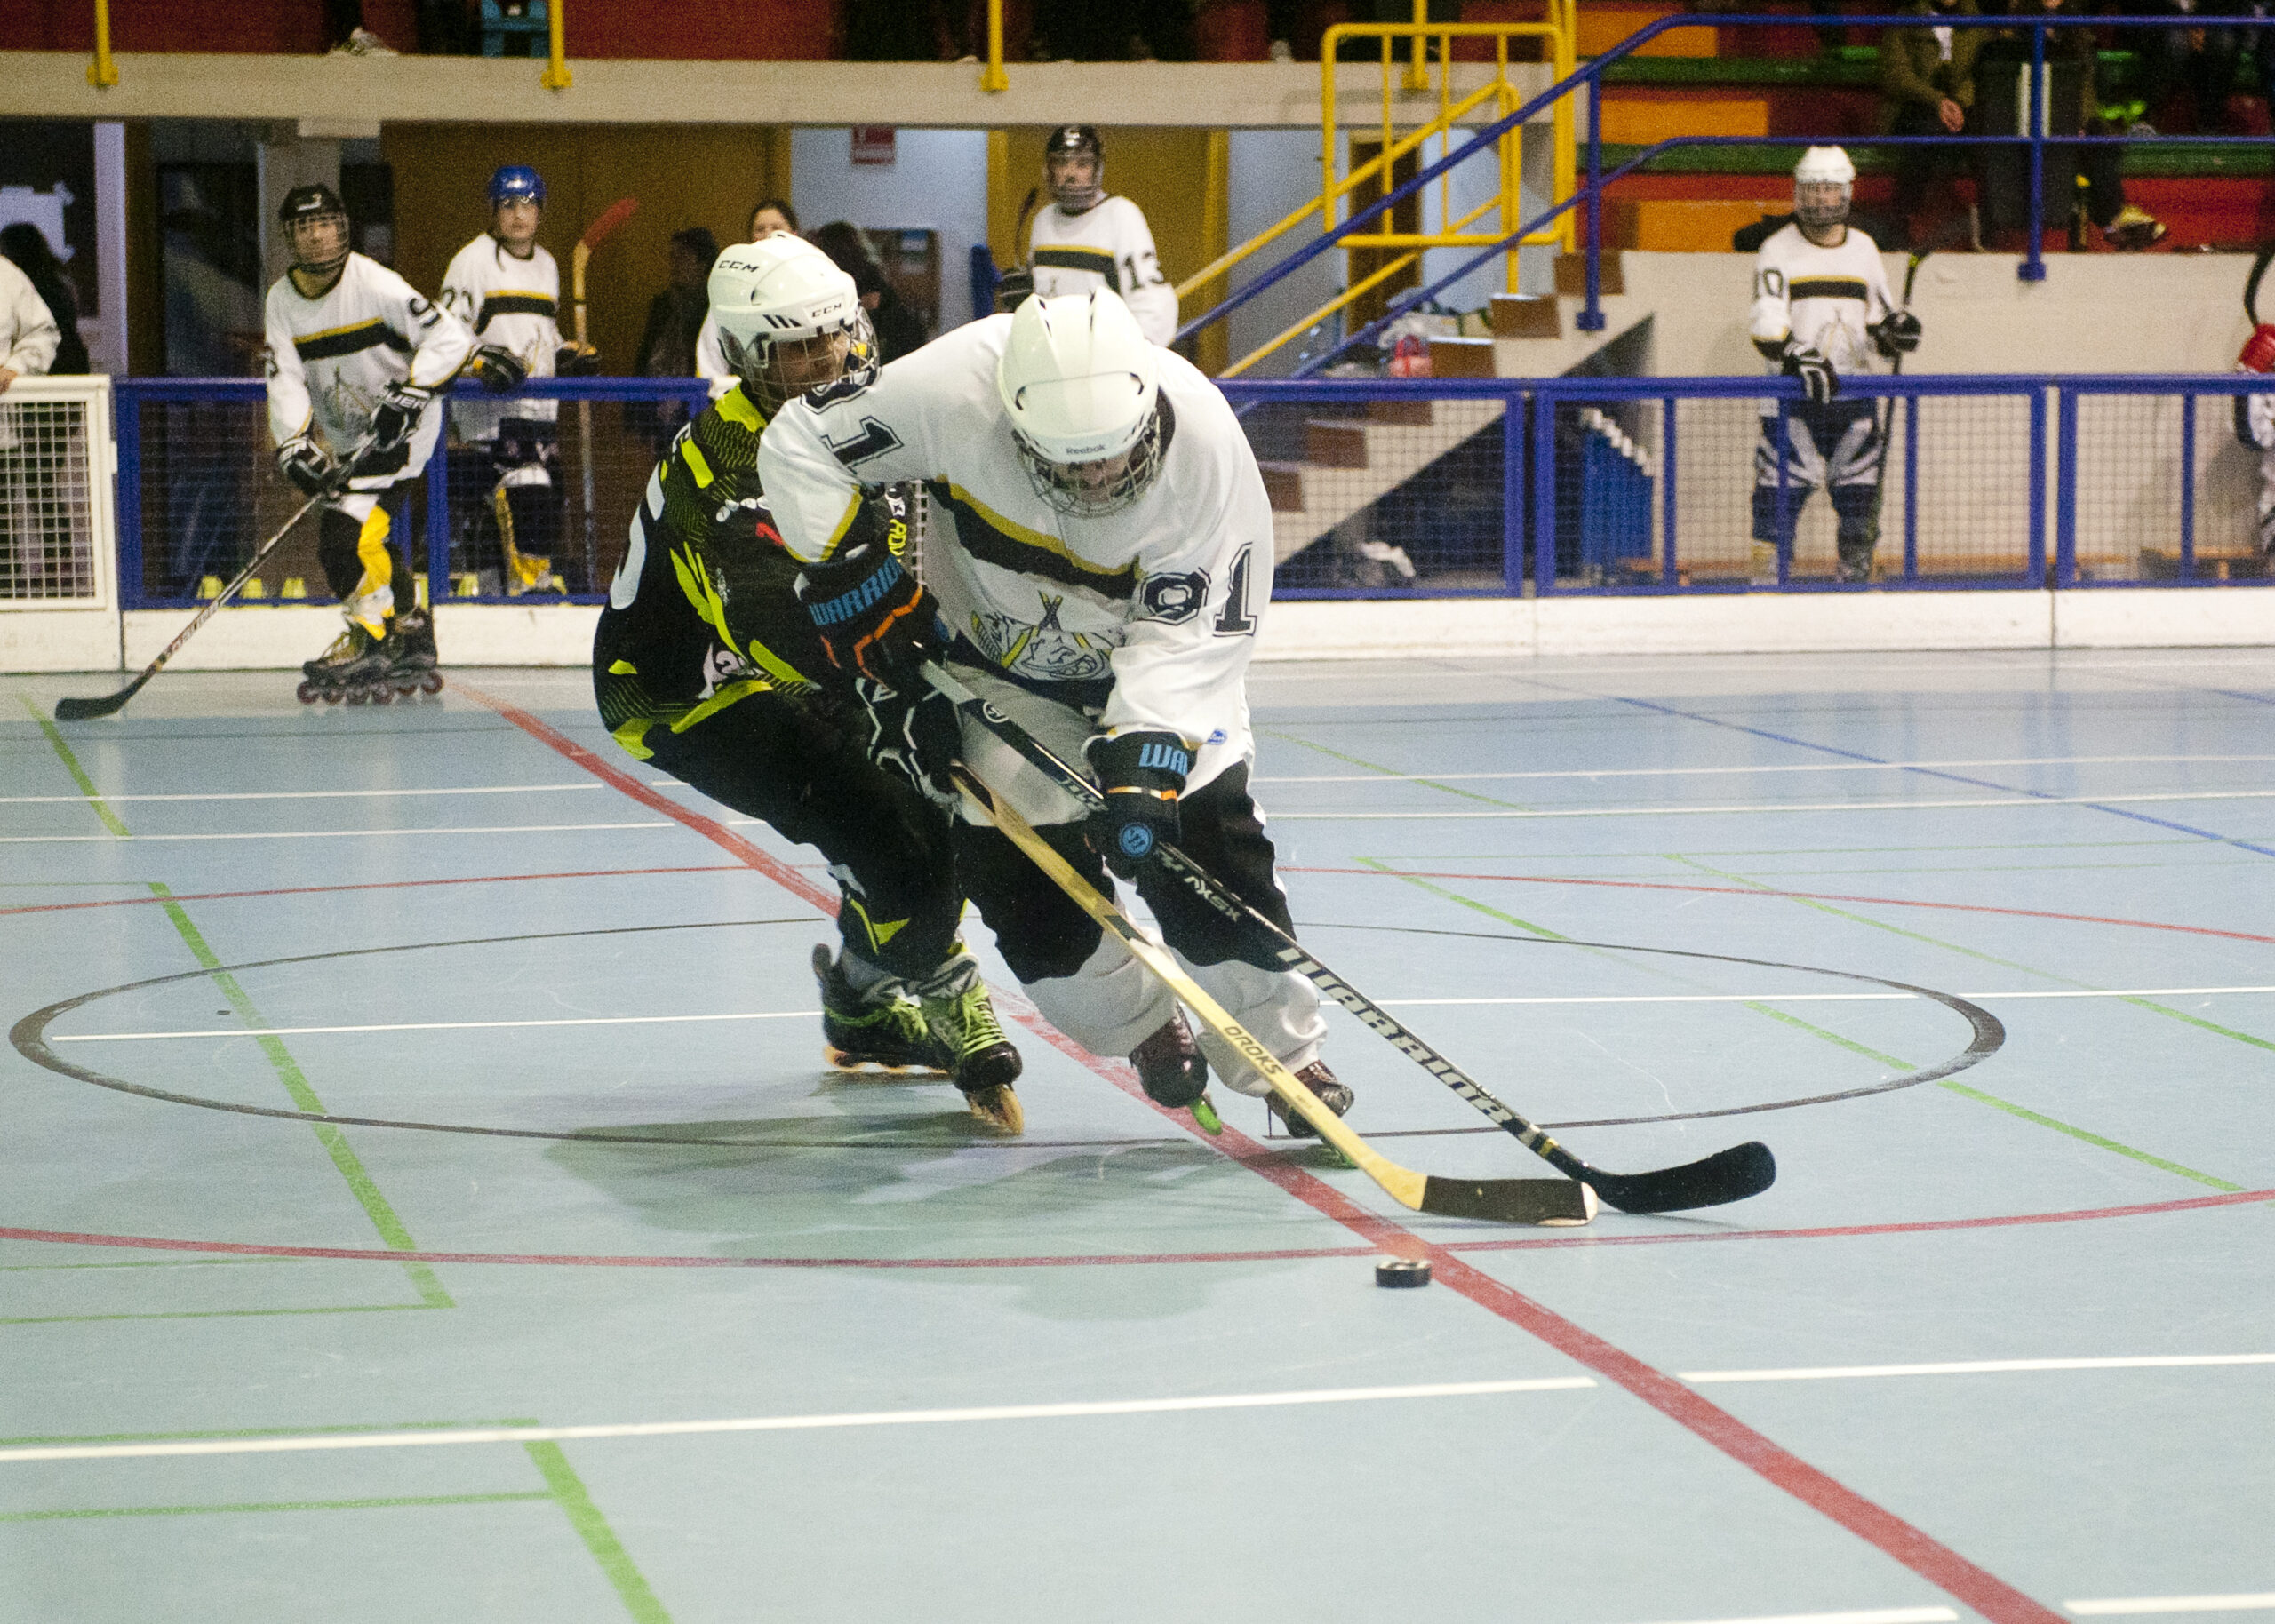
(1417, 78)
(103, 72)
(993, 77)
(556, 76)
(1214, 348)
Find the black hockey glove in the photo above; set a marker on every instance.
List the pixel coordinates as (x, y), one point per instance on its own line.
(1013, 289)
(571, 361)
(915, 736)
(307, 464)
(397, 418)
(875, 619)
(1819, 382)
(1898, 334)
(499, 370)
(1142, 775)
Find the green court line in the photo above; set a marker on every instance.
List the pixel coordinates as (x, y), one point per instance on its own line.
(569, 1492)
(276, 1505)
(366, 1190)
(1392, 772)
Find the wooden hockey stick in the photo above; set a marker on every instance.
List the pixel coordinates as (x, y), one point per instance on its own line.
(1551, 1201)
(611, 218)
(1728, 1175)
(74, 709)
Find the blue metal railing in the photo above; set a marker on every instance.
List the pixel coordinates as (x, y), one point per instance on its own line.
(1588, 195)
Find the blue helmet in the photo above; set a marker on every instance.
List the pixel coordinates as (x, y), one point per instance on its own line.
(516, 180)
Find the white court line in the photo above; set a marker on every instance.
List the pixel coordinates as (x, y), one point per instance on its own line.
(435, 1026)
(1975, 1367)
(1817, 998)
(494, 788)
(792, 1014)
(1871, 1615)
(1678, 772)
(319, 834)
(2258, 1602)
(1790, 805)
(786, 1423)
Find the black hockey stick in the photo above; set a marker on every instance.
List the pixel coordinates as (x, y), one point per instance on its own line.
(73, 709)
(1559, 1201)
(1728, 1175)
(2251, 288)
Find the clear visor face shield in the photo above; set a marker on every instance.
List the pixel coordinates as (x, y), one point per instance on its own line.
(1073, 177)
(778, 371)
(317, 244)
(1821, 205)
(1093, 489)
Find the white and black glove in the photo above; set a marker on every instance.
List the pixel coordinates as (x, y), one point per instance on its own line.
(1141, 775)
(307, 464)
(500, 371)
(1819, 382)
(397, 418)
(1897, 333)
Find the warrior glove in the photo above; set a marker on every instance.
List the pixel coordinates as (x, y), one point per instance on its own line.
(1819, 382)
(307, 464)
(1897, 333)
(397, 418)
(915, 736)
(1142, 775)
(576, 361)
(500, 371)
(875, 619)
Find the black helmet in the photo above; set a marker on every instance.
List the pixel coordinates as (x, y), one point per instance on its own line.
(305, 206)
(1075, 141)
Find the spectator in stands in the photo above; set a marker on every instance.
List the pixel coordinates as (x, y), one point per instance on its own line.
(899, 329)
(2071, 54)
(28, 330)
(1928, 79)
(24, 245)
(667, 347)
(772, 215)
(2198, 56)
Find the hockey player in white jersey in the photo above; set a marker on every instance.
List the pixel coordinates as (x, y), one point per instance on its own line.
(1088, 240)
(1102, 556)
(354, 352)
(1821, 311)
(507, 290)
(2255, 422)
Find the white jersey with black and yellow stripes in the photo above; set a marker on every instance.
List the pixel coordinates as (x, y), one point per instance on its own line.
(330, 358)
(1827, 298)
(1108, 245)
(515, 304)
(1150, 612)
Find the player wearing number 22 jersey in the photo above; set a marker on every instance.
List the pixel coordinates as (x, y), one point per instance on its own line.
(1099, 560)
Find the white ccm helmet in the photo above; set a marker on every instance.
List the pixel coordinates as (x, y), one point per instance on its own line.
(789, 319)
(1082, 388)
(1822, 184)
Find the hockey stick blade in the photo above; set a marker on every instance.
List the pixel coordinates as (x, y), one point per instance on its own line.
(1731, 1176)
(70, 708)
(1549, 1201)
(608, 220)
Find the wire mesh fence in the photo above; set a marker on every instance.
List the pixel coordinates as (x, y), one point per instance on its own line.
(50, 534)
(2168, 487)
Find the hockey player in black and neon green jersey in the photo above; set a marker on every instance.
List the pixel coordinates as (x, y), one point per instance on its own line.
(707, 664)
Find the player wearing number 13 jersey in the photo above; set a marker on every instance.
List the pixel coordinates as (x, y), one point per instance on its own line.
(1101, 553)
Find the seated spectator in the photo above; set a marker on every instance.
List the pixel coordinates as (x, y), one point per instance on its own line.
(24, 243)
(2071, 57)
(1927, 81)
(899, 329)
(2198, 57)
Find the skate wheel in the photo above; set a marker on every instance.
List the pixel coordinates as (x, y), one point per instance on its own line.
(381, 694)
(433, 683)
(305, 693)
(356, 696)
(333, 695)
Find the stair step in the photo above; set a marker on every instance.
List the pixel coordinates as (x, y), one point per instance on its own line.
(1335, 445)
(1516, 316)
(1283, 482)
(1416, 412)
(1639, 117)
(1572, 274)
(1693, 225)
(1461, 357)
(1604, 26)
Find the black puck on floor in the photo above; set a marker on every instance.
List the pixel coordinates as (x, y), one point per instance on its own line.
(1402, 1271)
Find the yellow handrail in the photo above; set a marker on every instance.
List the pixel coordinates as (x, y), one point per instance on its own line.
(993, 77)
(556, 76)
(103, 72)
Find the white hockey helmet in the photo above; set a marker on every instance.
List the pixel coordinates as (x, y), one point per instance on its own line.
(1823, 181)
(1082, 388)
(789, 319)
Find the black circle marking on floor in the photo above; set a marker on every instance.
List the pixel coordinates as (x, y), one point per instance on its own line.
(29, 1038)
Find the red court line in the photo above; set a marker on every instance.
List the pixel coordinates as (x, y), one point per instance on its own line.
(377, 885)
(573, 1260)
(1937, 1564)
(1814, 896)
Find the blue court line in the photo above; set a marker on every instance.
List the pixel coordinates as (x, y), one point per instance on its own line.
(1980, 783)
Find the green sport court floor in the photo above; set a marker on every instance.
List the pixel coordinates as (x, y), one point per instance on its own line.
(421, 1196)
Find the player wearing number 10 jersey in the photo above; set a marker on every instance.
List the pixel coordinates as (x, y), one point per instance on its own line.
(1101, 553)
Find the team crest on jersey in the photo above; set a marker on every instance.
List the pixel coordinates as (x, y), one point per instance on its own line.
(1043, 649)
